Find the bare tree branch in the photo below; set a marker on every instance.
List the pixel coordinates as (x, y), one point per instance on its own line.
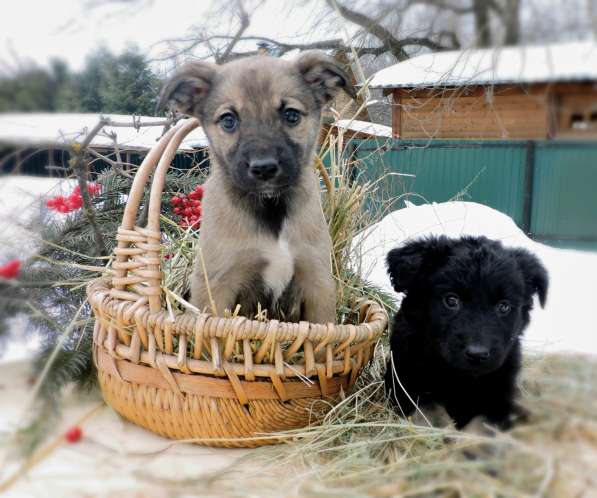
(368, 24)
(244, 24)
(81, 169)
(446, 5)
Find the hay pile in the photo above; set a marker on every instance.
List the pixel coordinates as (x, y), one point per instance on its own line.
(363, 449)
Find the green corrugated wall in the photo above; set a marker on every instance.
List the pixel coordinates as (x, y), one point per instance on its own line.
(557, 179)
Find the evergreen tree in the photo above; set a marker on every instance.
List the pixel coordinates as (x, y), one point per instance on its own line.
(121, 84)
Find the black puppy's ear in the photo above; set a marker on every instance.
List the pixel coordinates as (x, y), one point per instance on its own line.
(188, 87)
(535, 274)
(324, 75)
(408, 264)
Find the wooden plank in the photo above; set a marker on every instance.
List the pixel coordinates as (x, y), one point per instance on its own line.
(495, 116)
(396, 114)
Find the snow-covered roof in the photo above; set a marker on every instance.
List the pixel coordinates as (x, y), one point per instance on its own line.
(576, 61)
(59, 129)
(373, 129)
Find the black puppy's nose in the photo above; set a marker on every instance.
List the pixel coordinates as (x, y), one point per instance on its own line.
(264, 168)
(477, 353)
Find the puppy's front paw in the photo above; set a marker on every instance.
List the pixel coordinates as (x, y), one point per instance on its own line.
(434, 415)
(479, 426)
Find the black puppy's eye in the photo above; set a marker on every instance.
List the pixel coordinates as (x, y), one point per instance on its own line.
(503, 307)
(228, 122)
(451, 301)
(292, 116)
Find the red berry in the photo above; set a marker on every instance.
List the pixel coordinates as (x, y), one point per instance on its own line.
(94, 188)
(175, 201)
(11, 269)
(177, 210)
(195, 195)
(188, 211)
(196, 203)
(73, 434)
(74, 202)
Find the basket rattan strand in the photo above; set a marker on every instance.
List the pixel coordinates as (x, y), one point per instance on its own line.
(181, 378)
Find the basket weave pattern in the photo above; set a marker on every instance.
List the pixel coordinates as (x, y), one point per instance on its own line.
(220, 381)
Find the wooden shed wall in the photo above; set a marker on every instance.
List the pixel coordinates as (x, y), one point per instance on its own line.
(500, 112)
(472, 113)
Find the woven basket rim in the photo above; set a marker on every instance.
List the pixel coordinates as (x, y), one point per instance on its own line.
(372, 324)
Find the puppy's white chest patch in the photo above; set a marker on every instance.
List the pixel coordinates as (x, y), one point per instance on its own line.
(280, 267)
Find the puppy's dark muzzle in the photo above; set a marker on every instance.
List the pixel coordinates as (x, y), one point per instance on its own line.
(476, 354)
(264, 169)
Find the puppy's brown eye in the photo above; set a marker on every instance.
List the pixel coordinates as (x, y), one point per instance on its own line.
(228, 122)
(503, 307)
(292, 116)
(452, 301)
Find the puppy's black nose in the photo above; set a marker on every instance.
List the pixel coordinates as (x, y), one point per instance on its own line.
(264, 168)
(477, 353)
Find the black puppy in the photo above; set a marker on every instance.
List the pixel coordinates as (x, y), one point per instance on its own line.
(456, 339)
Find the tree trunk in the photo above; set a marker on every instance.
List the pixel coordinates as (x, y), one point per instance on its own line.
(511, 21)
(482, 23)
(592, 11)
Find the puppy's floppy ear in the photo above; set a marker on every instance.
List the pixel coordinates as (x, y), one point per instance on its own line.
(324, 75)
(188, 87)
(407, 264)
(535, 274)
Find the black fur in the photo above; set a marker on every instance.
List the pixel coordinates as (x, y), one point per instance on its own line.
(270, 211)
(256, 295)
(463, 357)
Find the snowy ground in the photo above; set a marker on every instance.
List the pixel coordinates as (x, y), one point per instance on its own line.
(568, 322)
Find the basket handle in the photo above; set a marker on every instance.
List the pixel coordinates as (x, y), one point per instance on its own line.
(159, 178)
(164, 151)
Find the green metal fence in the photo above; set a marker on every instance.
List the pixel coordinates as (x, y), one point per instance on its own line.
(549, 188)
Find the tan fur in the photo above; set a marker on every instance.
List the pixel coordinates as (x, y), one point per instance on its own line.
(236, 248)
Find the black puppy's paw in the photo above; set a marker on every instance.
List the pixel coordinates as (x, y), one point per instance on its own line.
(520, 415)
(479, 426)
(433, 415)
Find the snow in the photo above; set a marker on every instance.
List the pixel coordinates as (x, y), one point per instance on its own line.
(43, 129)
(374, 129)
(19, 202)
(576, 61)
(114, 457)
(567, 324)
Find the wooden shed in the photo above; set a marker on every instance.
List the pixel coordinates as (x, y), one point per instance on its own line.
(532, 92)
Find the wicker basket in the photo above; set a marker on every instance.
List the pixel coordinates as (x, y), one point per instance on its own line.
(179, 378)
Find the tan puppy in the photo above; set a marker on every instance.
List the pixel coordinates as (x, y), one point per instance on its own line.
(263, 235)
